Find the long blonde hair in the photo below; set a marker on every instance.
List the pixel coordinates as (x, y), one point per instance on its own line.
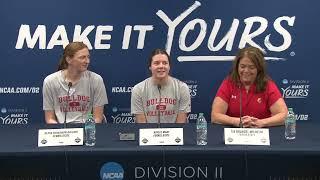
(69, 51)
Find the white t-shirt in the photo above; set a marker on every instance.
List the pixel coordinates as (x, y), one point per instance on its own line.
(173, 98)
(87, 93)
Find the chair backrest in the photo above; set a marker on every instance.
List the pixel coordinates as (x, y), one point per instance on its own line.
(104, 120)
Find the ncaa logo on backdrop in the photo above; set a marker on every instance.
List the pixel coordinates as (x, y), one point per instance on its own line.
(3, 110)
(121, 89)
(295, 88)
(111, 170)
(19, 90)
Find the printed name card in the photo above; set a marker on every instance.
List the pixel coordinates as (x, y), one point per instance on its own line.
(161, 136)
(246, 136)
(60, 137)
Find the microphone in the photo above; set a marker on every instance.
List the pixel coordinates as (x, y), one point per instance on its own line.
(240, 123)
(159, 89)
(65, 113)
(159, 107)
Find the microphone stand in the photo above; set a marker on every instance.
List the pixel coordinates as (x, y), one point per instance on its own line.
(65, 113)
(65, 126)
(159, 89)
(163, 152)
(240, 123)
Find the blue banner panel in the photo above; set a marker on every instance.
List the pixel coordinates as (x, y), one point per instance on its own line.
(142, 165)
(284, 166)
(32, 166)
(201, 37)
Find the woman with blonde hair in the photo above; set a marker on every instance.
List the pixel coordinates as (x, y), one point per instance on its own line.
(73, 92)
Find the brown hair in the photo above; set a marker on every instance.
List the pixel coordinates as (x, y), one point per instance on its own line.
(257, 58)
(156, 52)
(69, 51)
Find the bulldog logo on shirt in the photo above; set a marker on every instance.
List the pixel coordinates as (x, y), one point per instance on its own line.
(161, 107)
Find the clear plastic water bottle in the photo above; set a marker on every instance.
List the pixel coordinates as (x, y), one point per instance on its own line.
(90, 131)
(201, 130)
(290, 125)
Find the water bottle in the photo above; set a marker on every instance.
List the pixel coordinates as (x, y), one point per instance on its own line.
(201, 130)
(90, 131)
(290, 125)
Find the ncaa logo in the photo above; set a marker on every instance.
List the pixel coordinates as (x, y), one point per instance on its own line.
(284, 81)
(3, 110)
(114, 109)
(111, 170)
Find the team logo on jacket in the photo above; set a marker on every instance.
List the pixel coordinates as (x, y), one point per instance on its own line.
(259, 100)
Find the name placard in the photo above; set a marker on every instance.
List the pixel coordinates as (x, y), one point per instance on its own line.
(60, 137)
(161, 136)
(246, 136)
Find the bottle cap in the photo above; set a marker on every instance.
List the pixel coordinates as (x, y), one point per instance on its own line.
(90, 115)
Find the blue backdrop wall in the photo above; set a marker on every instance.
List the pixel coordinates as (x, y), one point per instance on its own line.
(201, 36)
